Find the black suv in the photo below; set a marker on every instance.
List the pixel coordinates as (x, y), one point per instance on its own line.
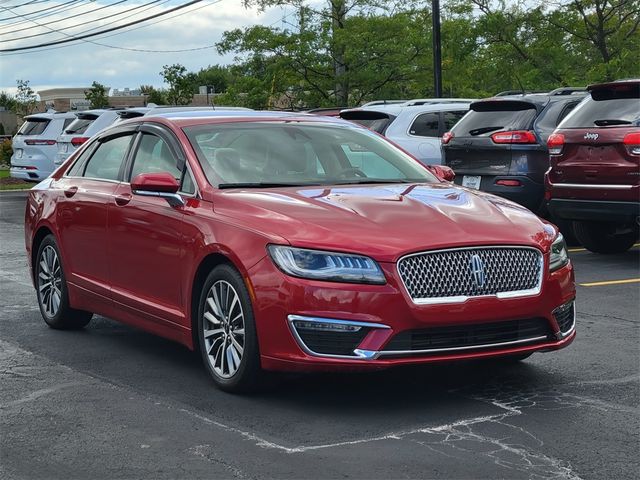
(500, 146)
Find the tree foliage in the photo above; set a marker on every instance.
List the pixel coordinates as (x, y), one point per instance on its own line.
(97, 95)
(344, 52)
(25, 100)
(180, 91)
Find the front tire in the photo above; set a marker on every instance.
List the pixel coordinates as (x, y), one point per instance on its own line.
(52, 292)
(601, 237)
(226, 331)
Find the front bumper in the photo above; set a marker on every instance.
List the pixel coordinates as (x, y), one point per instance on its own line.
(388, 311)
(595, 210)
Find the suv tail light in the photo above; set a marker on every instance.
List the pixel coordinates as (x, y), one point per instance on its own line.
(446, 138)
(77, 141)
(555, 143)
(632, 143)
(40, 142)
(516, 136)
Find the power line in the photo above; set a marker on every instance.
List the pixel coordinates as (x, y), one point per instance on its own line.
(37, 11)
(51, 12)
(76, 38)
(53, 30)
(61, 19)
(164, 19)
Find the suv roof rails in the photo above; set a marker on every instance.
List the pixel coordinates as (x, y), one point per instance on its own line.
(568, 91)
(518, 92)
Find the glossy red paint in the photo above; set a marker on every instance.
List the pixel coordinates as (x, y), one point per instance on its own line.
(155, 182)
(136, 258)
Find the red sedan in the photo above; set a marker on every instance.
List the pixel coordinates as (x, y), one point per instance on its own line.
(291, 242)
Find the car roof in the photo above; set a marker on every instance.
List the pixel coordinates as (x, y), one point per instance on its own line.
(50, 115)
(398, 109)
(185, 119)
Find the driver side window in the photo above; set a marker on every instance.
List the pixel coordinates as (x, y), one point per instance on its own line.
(154, 156)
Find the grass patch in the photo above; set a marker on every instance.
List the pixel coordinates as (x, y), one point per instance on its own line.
(16, 186)
(4, 173)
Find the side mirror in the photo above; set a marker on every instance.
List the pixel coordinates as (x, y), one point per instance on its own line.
(161, 185)
(443, 172)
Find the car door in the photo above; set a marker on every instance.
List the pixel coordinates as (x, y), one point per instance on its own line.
(87, 189)
(145, 240)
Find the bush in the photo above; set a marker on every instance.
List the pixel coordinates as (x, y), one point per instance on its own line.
(5, 152)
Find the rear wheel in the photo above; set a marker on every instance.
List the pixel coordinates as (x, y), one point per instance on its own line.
(51, 289)
(226, 331)
(602, 237)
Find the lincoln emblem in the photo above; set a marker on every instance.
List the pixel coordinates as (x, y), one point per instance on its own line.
(477, 270)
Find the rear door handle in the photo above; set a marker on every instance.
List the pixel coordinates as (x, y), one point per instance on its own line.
(70, 192)
(123, 199)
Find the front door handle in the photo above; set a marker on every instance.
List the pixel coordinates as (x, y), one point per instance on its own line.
(123, 199)
(70, 192)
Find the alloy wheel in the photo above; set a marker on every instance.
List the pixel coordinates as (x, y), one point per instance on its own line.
(50, 281)
(223, 326)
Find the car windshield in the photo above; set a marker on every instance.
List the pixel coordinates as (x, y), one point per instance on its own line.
(268, 154)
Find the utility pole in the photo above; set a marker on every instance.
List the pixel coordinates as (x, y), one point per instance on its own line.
(437, 53)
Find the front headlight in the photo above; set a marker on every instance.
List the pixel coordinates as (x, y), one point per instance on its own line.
(330, 266)
(559, 256)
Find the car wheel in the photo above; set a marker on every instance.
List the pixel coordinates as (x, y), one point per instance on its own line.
(226, 331)
(600, 237)
(51, 289)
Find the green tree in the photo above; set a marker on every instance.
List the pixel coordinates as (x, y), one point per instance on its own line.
(153, 95)
(7, 101)
(97, 95)
(26, 99)
(180, 91)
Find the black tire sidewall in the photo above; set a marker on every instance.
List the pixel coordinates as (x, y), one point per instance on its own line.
(57, 321)
(245, 377)
(595, 237)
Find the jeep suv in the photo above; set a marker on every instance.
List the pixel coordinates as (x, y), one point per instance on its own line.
(500, 145)
(594, 179)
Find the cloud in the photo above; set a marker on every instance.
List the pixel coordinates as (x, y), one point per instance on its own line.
(79, 64)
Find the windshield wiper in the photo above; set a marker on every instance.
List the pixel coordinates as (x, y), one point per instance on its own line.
(364, 181)
(264, 185)
(611, 121)
(478, 131)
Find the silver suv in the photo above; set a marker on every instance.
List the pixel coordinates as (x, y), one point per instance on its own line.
(34, 146)
(416, 125)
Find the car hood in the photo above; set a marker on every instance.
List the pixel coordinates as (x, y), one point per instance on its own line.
(384, 221)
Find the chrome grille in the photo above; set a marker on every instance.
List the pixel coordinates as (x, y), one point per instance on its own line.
(448, 275)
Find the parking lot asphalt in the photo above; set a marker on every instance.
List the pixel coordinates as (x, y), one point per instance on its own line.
(114, 402)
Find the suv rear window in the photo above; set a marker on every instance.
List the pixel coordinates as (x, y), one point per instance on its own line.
(608, 108)
(494, 118)
(33, 126)
(80, 124)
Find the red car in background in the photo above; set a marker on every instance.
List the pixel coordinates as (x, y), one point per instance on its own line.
(273, 241)
(594, 177)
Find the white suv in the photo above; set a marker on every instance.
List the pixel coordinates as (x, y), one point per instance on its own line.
(416, 125)
(34, 146)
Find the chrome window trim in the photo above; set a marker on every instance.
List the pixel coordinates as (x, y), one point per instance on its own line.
(357, 355)
(590, 186)
(463, 298)
(106, 180)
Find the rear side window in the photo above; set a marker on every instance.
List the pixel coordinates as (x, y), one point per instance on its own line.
(608, 111)
(426, 125)
(33, 126)
(553, 115)
(107, 159)
(486, 122)
(376, 121)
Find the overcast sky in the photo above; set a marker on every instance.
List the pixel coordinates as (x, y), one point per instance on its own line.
(77, 64)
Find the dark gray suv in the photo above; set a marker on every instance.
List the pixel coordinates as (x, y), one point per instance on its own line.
(500, 146)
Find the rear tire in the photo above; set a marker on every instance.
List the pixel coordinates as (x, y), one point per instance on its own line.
(602, 237)
(226, 332)
(52, 292)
